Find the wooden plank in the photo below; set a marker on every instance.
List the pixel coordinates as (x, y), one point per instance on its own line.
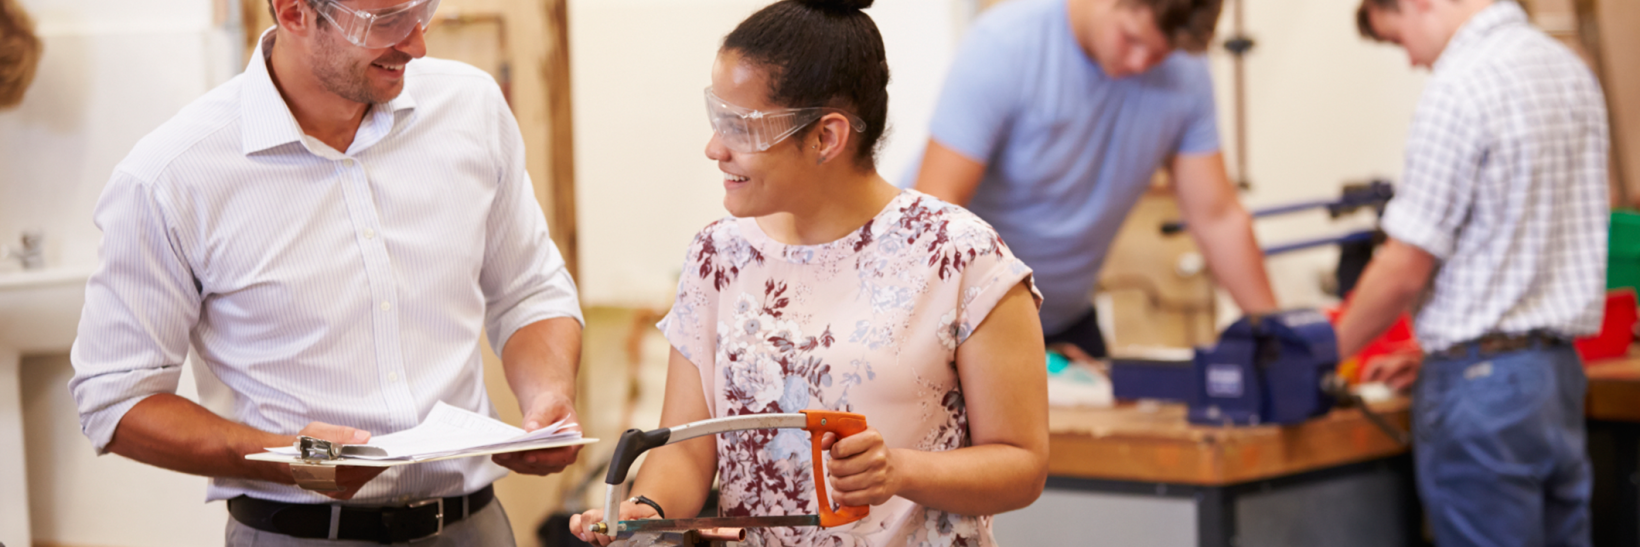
(1619, 45)
(1614, 390)
(561, 137)
(1152, 304)
(1157, 444)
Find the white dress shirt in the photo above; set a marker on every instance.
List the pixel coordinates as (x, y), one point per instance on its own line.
(342, 287)
(1506, 185)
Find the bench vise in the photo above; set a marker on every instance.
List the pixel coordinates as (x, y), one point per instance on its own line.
(1271, 369)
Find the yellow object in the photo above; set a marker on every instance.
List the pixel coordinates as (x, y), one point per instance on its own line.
(1350, 370)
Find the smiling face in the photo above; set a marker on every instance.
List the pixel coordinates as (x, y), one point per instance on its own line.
(759, 183)
(1124, 38)
(359, 74)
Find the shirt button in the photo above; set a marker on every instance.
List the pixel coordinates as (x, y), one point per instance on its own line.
(369, 233)
(347, 163)
(387, 306)
(392, 376)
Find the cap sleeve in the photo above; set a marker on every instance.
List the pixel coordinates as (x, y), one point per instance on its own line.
(991, 271)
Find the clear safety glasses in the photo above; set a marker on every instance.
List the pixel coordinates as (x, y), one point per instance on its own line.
(379, 28)
(749, 131)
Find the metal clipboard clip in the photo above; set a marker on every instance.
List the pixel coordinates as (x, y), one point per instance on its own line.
(311, 472)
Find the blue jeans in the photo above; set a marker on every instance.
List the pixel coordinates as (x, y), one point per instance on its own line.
(1500, 453)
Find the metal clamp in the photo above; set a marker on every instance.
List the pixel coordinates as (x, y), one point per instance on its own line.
(311, 473)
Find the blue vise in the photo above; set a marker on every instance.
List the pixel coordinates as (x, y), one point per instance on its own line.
(1265, 369)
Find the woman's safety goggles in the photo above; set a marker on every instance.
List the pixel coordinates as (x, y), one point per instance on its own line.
(749, 131)
(379, 28)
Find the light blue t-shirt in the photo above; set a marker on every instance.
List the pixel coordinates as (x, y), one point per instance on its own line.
(1068, 149)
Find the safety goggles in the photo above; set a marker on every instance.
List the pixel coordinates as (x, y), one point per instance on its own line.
(749, 131)
(379, 28)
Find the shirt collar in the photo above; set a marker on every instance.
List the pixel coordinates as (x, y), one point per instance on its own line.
(267, 119)
(1501, 14)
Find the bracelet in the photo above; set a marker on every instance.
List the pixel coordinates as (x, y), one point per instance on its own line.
(651, 503)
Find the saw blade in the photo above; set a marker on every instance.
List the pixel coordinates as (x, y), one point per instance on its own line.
(678, 525)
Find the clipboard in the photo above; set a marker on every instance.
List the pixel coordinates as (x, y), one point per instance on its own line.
(340, 460)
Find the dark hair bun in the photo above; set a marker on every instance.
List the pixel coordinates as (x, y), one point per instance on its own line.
(837, 4)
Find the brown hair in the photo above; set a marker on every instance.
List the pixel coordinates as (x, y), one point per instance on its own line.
(1363, 17)
(1188, 24)
(19, 53)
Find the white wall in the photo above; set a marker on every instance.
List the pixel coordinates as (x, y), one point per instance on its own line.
(79, 499)
(1324, 107)
(643, 183)
(111, 71)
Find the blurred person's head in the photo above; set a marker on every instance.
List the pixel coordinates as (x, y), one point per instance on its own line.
(360, 66)
(19, 53)
(1128, 37)
(825, 57)
(1421, 27)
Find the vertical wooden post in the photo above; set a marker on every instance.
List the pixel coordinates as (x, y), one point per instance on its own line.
(561, 147)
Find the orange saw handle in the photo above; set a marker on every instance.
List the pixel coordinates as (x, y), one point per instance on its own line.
(843, 424)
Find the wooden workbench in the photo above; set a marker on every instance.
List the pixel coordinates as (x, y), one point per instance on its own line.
(1614, 390)
(1155, 443)
(1142, 474)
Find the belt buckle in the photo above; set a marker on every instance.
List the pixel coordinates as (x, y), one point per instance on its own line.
(398, 522)
(437, 518)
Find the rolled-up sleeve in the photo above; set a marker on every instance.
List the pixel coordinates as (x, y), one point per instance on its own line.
(524, 278)
(140, 306)
(1443, 155)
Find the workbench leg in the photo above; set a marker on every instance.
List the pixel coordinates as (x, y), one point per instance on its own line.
(1215, 517)
(1614, 451)
(1627, 456)
(1411, 503)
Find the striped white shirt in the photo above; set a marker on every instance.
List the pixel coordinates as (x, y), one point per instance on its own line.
(1506, 186)
(344, 287)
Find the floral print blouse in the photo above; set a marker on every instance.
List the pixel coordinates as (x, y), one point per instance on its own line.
(870, 324)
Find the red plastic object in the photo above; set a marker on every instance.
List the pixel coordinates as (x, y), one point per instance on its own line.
(1398, 339)
(1616, 330)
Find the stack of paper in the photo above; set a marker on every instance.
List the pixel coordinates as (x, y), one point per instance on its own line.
(450, 432)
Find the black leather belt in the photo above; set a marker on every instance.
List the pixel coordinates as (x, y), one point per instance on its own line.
(379, 524)
(1493, 344)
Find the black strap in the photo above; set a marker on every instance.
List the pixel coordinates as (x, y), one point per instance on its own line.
(651, 503)
(379, 524)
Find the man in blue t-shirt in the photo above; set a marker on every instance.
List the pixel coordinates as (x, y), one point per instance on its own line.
(1053, 120)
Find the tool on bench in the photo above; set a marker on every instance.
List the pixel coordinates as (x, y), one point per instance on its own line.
(1372, 194)
(1271, 369)
(1355, 248)
(690, 531)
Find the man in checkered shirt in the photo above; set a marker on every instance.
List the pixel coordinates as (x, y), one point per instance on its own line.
(1499, 229)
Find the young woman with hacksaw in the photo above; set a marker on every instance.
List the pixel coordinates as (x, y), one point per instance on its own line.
(831, 289)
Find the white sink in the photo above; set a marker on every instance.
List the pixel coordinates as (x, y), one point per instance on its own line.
(39, 313)
(40, 310)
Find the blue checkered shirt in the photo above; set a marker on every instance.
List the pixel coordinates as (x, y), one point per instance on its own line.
(1506, 185)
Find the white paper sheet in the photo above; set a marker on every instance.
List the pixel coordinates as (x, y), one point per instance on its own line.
(450, 431)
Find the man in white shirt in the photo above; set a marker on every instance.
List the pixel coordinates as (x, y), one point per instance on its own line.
(1500, 225)
(332, 232)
